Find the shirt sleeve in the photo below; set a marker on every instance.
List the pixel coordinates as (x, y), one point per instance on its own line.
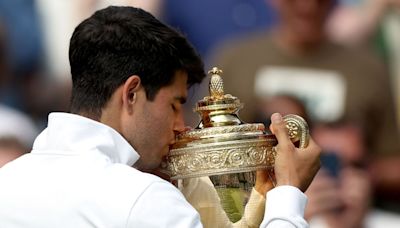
(253, 212)
(163, 205)
(285, 208)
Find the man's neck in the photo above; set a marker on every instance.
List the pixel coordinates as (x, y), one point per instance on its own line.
(88, 115)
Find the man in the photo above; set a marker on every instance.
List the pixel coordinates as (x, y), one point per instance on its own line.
(130, 75)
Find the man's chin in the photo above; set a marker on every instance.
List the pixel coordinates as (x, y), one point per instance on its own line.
(157, 171)
(148, 167)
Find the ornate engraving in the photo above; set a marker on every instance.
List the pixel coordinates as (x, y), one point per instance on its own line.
(217, 159)
(198, 133)
(218, 106)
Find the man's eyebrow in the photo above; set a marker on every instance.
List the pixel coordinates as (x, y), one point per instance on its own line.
(181, 99)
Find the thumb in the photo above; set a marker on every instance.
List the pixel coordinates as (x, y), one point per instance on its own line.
(278, 128)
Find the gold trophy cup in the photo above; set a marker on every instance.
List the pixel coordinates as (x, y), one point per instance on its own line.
(226, 149)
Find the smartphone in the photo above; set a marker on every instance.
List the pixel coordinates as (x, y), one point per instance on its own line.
(331, 163)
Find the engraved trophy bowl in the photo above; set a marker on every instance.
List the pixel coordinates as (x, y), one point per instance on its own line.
(226, 150)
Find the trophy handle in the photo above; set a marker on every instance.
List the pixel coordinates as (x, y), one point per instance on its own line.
(298, 129)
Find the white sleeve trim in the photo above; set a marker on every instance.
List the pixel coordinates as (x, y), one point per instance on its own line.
(285, 208)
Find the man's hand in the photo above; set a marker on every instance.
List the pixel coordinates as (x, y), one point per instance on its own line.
(293, 166)
(263, 181)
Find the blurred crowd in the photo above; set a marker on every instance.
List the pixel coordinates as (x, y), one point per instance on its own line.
(334, 62)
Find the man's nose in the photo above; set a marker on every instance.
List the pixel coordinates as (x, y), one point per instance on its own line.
(179, 125)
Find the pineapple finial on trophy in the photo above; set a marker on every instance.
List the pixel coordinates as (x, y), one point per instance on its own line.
(216, 85)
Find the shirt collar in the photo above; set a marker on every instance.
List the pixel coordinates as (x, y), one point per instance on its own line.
(72, 133)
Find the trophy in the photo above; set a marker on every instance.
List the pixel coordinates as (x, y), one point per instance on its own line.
(226, 151)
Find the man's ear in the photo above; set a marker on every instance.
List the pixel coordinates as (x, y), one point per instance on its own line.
(129, 92)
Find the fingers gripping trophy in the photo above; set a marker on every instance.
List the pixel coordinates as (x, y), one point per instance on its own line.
(224, 166)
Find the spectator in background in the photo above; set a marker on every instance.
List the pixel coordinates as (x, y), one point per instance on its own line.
(17, 130)
(341, 194)
(335, 82)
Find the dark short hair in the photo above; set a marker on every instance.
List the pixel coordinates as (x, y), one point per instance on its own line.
(118, 42)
